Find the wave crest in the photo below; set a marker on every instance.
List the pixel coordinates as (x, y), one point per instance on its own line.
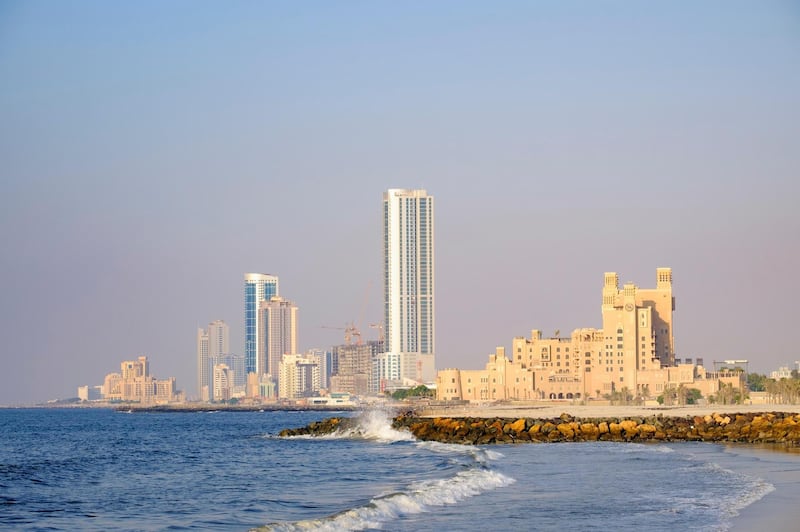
(417, 498)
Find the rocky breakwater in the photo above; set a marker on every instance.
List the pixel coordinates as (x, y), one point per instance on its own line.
(319, 428)
(770, 427)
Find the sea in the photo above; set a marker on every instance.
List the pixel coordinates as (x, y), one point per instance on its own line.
(98, 469)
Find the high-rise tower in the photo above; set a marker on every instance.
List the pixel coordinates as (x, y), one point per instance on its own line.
(258, 287)
(211, 345)
(277, 334)
(408, 277)
(203, 377)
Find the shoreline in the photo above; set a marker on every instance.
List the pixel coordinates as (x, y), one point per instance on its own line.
(777, 510)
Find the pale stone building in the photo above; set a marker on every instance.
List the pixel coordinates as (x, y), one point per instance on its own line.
(223, 382)
(135, 384)
(632, 352)
(277, 334)
(299, 376)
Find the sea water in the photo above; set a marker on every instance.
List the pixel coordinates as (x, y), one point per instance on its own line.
(94, 469)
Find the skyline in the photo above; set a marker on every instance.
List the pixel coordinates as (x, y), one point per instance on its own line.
(152, 154)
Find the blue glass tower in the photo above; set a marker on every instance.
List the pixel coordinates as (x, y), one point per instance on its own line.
(258, 287)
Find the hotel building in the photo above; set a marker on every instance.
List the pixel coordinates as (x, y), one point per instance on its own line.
(135, 384)
(258, 287)
(408, 277)
(633, 352)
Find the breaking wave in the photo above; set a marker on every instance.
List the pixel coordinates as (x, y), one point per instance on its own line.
(417, 497)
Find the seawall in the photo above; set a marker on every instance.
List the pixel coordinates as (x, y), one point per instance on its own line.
(765, 427)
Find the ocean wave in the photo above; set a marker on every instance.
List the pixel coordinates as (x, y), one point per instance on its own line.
(755, 489)
(417, 498)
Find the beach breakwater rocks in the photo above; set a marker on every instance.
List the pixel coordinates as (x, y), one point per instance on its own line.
(771, 427)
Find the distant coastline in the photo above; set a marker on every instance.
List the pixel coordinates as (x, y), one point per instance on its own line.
(205, 407)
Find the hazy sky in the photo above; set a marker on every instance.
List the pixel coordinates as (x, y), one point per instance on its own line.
(151, 153)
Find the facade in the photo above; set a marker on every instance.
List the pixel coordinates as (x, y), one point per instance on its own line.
(135, 384)
(258, 287)
(299, 376)
(212, 343)
(223, 382)
(277, 334)
(353, 367)
(203, 374)
(261, 387)
(324, 358)
(408, 277)
(90, 393)
(236, 364)
(633, 354)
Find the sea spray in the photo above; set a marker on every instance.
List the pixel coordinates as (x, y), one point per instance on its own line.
(375, 425)
(372, 424)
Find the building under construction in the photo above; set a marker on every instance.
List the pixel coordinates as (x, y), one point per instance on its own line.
(351, 367)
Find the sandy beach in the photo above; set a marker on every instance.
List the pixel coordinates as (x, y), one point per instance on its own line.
(551, 410)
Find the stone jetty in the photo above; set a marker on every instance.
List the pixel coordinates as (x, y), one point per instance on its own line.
(766, 427)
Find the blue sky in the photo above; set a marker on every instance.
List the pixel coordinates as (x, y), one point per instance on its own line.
(153, 152)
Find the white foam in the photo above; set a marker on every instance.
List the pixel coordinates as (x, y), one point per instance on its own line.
(756, 489)
(417, 498)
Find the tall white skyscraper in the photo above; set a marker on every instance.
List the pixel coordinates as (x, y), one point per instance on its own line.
(258, 287)
(408, 276)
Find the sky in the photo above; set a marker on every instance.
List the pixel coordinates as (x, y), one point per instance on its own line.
(153, 152)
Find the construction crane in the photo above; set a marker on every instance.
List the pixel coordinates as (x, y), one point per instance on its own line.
(378, 326)
(350, 331)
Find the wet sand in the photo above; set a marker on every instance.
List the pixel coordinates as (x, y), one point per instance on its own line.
(778, 510)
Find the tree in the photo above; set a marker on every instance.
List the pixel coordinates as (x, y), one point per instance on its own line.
(693, 396)
(728, 395)
(756, 382)
(419, 391)
(622, 396)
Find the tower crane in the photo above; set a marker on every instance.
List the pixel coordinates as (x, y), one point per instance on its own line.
(378, 326)
(350, 331)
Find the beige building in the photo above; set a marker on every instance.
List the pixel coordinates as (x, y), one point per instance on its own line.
(223, 382)
(277, 334)
(261, 387)
(299, 376)
(135, 384)
(632, 352)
